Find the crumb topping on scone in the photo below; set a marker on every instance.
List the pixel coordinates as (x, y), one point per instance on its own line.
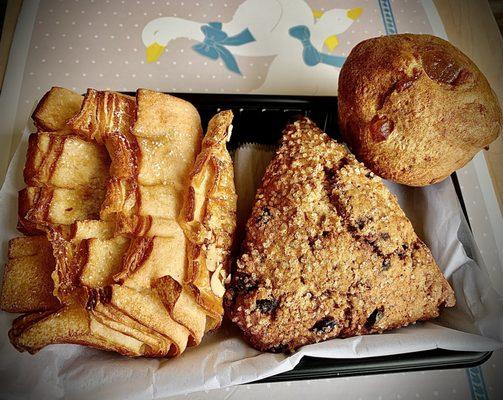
(328, 252)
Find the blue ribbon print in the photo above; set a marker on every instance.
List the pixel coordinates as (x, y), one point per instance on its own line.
(215, 40)
(310, 55)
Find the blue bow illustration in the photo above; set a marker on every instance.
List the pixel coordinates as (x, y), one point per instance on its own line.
(310, 55)
(215, 40)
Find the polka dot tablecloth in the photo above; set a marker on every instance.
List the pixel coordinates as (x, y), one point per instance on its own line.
(80, 44)
(121, 45)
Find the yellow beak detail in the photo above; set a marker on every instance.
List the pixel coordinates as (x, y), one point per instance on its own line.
(154, 51)
(331, 42)
(354, 13)
(317, 14)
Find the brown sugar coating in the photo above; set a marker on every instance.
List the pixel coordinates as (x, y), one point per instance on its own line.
(414, 108)
(328, 252)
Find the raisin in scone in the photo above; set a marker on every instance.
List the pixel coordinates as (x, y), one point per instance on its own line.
(328, 252)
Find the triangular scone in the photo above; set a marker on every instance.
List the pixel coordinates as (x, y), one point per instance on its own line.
(328, 252)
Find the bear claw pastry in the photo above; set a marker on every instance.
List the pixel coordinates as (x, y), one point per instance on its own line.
(134, 214)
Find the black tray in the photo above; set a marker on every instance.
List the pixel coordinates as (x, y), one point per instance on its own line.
(261, 119)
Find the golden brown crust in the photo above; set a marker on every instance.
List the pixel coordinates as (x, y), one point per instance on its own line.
(107, 117)
(116, 319)
(328, 252)
(27, 285)
(73, 325)
(120, 283)
(135, 257)
(208, 218)
(149, 157)
(51, 157)
(168, 117)
(96, 270)
(182, 307)
(57, 192)
(103, 113)
(54, 109)
(144, 201)
(414, 108)
(147, 308)
(70, 257)
(86, 253)
(26, 199)
(40, 206)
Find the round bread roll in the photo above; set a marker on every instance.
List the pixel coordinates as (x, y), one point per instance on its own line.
(414, 108)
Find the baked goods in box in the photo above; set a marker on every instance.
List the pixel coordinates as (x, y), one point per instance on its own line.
(115, 248)
(414, 108)
(328, 252)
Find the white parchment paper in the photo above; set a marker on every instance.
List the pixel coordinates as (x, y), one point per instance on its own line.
(223, 359)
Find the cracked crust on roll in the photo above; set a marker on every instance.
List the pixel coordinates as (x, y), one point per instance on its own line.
(414, 108)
